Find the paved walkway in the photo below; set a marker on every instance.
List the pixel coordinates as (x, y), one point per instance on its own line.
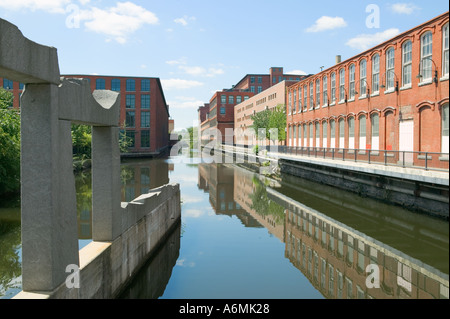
(408, 173)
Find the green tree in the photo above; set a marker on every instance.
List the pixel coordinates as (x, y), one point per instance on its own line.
(81, 141)
(277, 121)
(270, 120)
(9, 145)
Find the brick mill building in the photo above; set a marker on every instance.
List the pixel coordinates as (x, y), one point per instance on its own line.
(221, 111)
(392, 97)
(144, 113)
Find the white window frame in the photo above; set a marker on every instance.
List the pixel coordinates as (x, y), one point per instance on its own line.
(407, 64)
(445, 52)
(390, 69)
(352, 78)
(333, 88)
(318, 97)
(325, 91)
(426, 57)
(363, 78)
(341, 85)
(376, 74)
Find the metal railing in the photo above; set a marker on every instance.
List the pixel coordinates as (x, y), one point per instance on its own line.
(406, 159)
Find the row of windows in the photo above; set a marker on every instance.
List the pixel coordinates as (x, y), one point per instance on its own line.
(8, 85)
(388, 80)
(283, 78)
(145, 138)
(304, 134)
(130, 85)
(130, 119)
(130, 101)
(223, 99)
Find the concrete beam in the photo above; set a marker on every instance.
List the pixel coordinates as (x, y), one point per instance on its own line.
(25, 61)
(79, 105)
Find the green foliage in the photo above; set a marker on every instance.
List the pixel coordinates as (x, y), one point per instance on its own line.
(269, 120)
(81, 141)
(9, 145)
(125, 142)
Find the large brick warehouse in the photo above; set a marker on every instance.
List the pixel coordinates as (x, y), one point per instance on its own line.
(393, 97)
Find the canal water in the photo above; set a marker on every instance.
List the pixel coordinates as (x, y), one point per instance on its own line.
(244, 236)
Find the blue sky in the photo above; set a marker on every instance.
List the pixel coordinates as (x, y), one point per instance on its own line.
(197, 47)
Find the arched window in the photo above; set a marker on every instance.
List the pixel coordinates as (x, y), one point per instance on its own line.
(341, 85)
(363, 78)
(351, 133)
(341, 133)
(445, 129)
(390, 66)
(362, 132)
(407, 63)
(325, 91)
(318, 99)
(332, 134)
(426, 45)
(317, 134)
(375, 120)
(311, 135)
(445, 62)
(325, 134)
(376, 73)
(333, 87)
(352, 81)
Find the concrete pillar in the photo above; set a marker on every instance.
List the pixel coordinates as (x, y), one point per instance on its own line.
(106, 184)
(49, 216)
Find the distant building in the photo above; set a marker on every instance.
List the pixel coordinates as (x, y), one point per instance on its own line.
(268, 99)
(220, 116)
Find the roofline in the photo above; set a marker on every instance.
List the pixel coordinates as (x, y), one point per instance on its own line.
(380, 45)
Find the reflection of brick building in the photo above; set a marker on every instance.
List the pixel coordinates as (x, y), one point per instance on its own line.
(218, 181)
(334, 258)
(392, 97)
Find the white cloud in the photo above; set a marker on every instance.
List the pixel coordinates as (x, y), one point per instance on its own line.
(52, 6)
(117, 22)
(200, 71)
(177, 62)
(327, 23)
(192, 104)
(184, 21)
(366, 41)
(296, 72)
(180, 84)
(404, 8)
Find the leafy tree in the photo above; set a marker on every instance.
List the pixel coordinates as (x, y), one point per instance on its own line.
(9, 145)
(81, 141)
(270, 120)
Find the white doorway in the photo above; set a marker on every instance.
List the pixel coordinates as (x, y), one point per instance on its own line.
(406, 141)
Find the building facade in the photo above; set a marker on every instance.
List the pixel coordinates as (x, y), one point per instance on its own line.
(220, 115)
(268, 99)
(392, 97)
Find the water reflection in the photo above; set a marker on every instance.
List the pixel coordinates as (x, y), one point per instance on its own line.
(10, 257)
(245, 236)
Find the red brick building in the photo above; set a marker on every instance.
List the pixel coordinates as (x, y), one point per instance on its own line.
(144, 112)
(392, 97)
(220, 115)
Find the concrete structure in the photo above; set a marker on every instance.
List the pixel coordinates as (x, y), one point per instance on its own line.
(49, 105)
(143, 109)
(266, 100)
(392, 97)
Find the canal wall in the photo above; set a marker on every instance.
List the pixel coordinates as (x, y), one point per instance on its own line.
(418, 190)
(416, 194)
(107, 267)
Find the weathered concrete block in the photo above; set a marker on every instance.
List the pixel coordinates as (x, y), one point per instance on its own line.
(25, 61)
(48, 191)
(77, 104)
(106, 185)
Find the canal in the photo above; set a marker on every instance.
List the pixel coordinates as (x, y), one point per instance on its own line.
(243, 236)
